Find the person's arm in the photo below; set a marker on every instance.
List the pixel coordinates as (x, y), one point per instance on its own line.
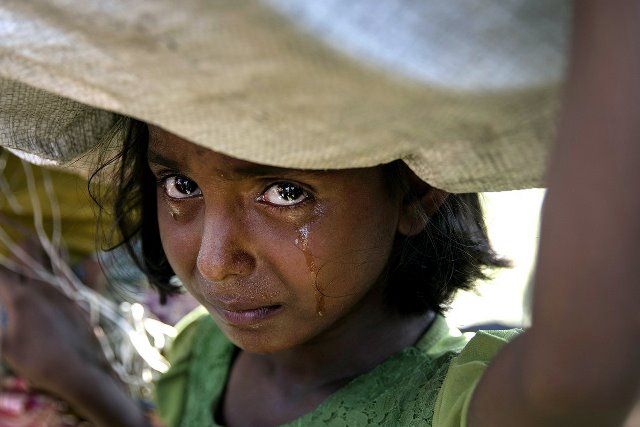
(579, 364)
(47, 339)
(101, 399)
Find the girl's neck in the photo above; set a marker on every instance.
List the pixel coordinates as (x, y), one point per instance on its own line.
(332, 360)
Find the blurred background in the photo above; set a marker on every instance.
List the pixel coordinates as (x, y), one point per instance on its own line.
(513, 225)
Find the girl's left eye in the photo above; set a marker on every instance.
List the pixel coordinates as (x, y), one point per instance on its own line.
(284, 194)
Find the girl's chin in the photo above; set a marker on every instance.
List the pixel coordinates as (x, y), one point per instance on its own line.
(260, 345)
(262, 339)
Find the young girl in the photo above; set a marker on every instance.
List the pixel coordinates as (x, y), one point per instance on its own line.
(298, 269)
(323, 287)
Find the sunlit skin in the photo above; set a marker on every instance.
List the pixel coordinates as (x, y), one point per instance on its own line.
(288, 263)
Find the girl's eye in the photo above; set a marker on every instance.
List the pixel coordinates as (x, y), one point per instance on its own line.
(284, 194)
(180, 187)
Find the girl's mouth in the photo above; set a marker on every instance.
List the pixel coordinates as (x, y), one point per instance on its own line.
(247, 317)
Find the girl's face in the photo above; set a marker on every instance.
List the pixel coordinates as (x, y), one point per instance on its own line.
(279, 257)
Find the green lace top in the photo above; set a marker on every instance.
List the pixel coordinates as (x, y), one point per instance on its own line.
(412, 388)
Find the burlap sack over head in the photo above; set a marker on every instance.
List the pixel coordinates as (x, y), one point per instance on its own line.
(465, 92)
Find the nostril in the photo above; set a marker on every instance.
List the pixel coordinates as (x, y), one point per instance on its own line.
(244, 262)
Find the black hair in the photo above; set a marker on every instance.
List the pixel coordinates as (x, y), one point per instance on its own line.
(128, 210)
(451, 253)
(423, 272)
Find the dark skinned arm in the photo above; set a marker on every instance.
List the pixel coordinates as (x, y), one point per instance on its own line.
(579, 364)
(47, 339)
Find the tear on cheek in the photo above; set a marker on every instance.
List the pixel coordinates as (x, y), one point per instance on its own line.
(302, 243)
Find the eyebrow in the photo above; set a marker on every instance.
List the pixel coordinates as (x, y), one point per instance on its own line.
(239, 173)
(159, 159)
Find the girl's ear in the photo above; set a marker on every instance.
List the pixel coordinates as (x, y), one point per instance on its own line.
(416, 211)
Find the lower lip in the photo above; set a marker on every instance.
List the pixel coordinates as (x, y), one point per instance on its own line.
(248, 317)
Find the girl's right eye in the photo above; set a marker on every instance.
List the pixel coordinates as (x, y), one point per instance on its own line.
(180, 187)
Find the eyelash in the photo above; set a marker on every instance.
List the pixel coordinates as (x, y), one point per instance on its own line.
(161, 182)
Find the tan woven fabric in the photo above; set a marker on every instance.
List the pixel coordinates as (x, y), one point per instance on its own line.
(304, 84)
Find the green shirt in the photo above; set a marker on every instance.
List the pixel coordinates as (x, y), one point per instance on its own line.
(427, 384)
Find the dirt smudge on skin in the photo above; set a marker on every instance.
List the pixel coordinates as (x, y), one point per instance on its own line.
(174, 211)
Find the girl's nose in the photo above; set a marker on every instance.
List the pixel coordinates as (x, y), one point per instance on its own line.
(224, 253)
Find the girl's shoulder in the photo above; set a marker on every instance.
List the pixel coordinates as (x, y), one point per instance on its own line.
(463, 374)
(196, 334)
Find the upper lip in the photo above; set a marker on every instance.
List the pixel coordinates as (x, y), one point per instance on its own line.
(216, 296)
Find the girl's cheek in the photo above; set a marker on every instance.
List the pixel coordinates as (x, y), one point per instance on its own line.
(179, 235)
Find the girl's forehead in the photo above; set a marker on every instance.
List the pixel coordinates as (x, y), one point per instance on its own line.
(175, 152)
(167, 148)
